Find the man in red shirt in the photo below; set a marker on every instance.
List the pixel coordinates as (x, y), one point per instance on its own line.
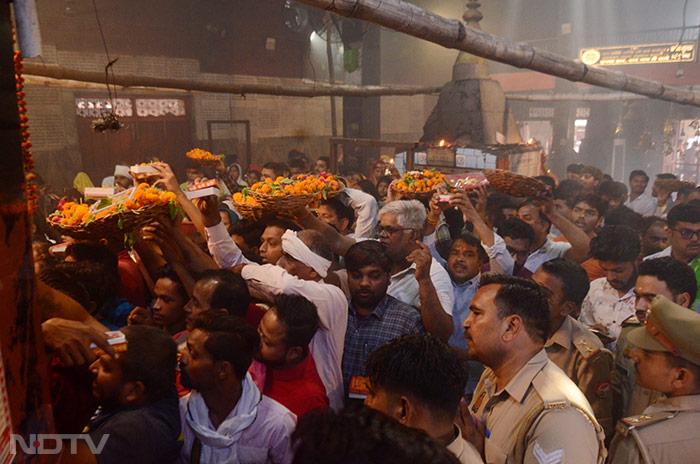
(283, 368)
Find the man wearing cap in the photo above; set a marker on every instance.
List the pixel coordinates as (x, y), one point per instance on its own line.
(662, 276)
(667, 359)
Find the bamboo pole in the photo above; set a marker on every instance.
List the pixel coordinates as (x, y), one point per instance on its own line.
(57, 76)
(584, 97)
(451, 33)
(331, 72)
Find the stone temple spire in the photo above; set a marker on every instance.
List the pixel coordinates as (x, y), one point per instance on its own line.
(468, 66)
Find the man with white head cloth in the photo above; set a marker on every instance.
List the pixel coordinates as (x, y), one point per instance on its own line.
(305, 261)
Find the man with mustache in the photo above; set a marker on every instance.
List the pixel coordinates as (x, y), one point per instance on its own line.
(524, 409)
(587, 213)
(610, 299)
(666, 359)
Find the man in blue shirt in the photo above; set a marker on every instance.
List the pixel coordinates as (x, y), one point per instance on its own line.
(374, 318)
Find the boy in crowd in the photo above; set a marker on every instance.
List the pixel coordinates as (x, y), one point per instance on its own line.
(419, 381)
(610, 299)
(138, 418)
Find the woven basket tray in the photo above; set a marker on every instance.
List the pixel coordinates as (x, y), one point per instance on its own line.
(413, 195)
(673, 185)
(513, 184)
(251, 212)
(283, 203)
(109, 226)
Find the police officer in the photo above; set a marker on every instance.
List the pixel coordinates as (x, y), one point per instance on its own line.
(667, 359)
(524, 409)
(661, 276)
(572, 347)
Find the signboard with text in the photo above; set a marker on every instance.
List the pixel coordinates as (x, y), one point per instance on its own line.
(672, 52)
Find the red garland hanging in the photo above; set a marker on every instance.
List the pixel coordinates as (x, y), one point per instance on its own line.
(27, 161)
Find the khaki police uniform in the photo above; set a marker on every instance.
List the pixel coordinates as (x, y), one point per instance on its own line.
(539, 417)
(580, 354)
(630, 398)
(668, 431)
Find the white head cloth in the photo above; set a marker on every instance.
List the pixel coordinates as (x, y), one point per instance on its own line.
(121, 170)
(292, 245)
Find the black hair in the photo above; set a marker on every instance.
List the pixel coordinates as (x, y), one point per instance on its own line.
(362, 435)
(574, 168)
(278, 168)
(676, 362)
(101, 282)
(166, 271)
(593, 171)
(595, 201)
(496, 202)
(470, 240)
(686, 212)
(387, 179)
(649, 221)
(639, 172)
(281, 224)
(230, 293)
(678, 277)
(326, 160)
(547, 180)
(616, 244)
(150, 358)
(567, 191)
(523, 298)
(367, 186)
(623, 216)
(297, 163)
(516, 228)
(88, 251)
(666, 175)
(61, 279)
(533, 202)
(295, 154)
(613, 190)
(422, 366)
(342, 210)
(250, 231)
(299, 318)
(574, 278)
(367, 253)
(229, 338)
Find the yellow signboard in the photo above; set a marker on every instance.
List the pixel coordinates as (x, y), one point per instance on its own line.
(671, 52)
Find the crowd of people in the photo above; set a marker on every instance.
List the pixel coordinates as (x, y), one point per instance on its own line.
(376, 328)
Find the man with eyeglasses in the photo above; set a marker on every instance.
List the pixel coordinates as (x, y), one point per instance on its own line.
(684, 222)
(518, 236)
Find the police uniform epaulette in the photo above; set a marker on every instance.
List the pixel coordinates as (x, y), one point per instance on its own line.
(642, 420)
(587, 348)
(632, 320)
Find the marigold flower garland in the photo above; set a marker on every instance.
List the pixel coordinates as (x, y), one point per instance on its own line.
(27, 161)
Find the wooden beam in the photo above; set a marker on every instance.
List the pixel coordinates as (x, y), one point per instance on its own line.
(57, 76)
(451, 33)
